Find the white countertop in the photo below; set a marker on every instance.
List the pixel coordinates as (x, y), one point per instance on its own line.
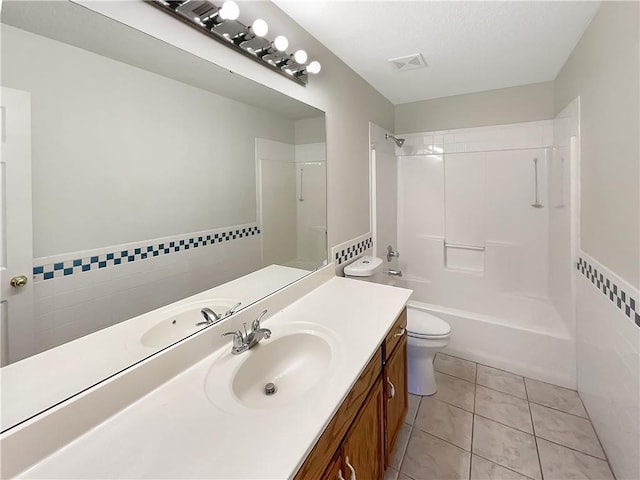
(37, 382)
(177, 432)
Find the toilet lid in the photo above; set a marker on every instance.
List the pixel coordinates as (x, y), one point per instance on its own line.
(423, 324)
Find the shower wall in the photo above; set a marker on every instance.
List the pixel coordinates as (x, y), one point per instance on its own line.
(465, 209)
(291, 183)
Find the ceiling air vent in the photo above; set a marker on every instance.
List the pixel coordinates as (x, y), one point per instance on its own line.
(409, 62)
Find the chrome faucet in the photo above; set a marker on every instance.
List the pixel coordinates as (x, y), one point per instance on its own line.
(243, 342)
(211, 317)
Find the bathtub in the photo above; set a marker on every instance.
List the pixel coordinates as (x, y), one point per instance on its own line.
(512, 332)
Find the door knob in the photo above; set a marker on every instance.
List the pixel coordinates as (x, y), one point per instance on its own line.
(19, 281)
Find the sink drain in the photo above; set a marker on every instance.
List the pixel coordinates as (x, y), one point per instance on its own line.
(270, 388)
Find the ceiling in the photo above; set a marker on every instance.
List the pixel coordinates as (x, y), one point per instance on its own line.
(468, 46)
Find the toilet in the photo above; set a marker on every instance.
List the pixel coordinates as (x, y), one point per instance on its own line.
(426, 333)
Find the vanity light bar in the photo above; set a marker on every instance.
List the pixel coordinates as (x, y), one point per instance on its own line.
(221, 23)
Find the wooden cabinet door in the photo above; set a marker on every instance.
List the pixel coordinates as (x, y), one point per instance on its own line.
(335, 470)
(363, 447)
(396, 398)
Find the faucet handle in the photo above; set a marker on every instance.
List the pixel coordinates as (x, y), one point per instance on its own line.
(238, 339)
(255, 325)
(232, 309)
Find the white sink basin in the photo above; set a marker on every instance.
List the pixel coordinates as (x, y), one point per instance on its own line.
(181, 322)
(296, 359)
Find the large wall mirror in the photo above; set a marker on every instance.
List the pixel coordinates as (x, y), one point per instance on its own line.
(154, 175)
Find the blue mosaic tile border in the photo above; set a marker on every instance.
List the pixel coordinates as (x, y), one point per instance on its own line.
(353, 250)
(610, 289)
(80, 265)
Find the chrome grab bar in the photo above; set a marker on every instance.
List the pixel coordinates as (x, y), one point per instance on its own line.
(462, 245)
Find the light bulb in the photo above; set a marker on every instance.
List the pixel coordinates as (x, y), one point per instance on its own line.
(281, 43)
(300, 57)
(314, 67)
(229, 10)
(260, 27)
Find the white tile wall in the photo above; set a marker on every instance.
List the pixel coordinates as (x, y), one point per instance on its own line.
(608, 353)
(345, 253)
(495, 137)
(72, 306)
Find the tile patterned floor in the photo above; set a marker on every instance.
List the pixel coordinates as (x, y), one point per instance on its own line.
(489, 424)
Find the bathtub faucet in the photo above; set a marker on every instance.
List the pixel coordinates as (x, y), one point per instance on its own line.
(395, 273)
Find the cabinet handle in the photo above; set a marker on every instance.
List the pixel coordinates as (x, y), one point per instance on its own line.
(340, 477)
(392, 392)
(353, 471)
(400, 333)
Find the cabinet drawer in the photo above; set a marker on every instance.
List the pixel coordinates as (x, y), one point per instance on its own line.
(397, 332)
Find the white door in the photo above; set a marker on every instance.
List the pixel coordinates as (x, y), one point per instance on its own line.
(16, 243)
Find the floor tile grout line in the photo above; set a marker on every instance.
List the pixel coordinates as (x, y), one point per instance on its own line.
(533, 426)
(453, 376)
(529, 401)
(581, 418)
(559, 410)
(501, 391)
(404, 453)
(473, 420)
(444, 440)
(504, 424)
(597, 436)
(500, 465)
(573, 449)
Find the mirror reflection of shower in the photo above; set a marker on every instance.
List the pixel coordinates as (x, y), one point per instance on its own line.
(300, 197)
(292, 203)
(398, 141)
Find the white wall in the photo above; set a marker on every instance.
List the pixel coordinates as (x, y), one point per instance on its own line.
(132, 154)
(493, 107)
(604, 70)
(349, 102)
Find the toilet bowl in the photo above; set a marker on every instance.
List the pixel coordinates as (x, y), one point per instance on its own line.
(426, 335)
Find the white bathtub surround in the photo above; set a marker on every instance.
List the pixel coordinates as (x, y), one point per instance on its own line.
(564, 218)
(476, 252)
(510, 136)
(34, 384)
(535, 345)
(173, 422)
(608, 349)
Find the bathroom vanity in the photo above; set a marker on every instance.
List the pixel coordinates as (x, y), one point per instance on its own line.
(336, 353)
(360, 438)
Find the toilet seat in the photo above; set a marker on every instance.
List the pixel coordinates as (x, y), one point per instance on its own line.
(427, 326)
